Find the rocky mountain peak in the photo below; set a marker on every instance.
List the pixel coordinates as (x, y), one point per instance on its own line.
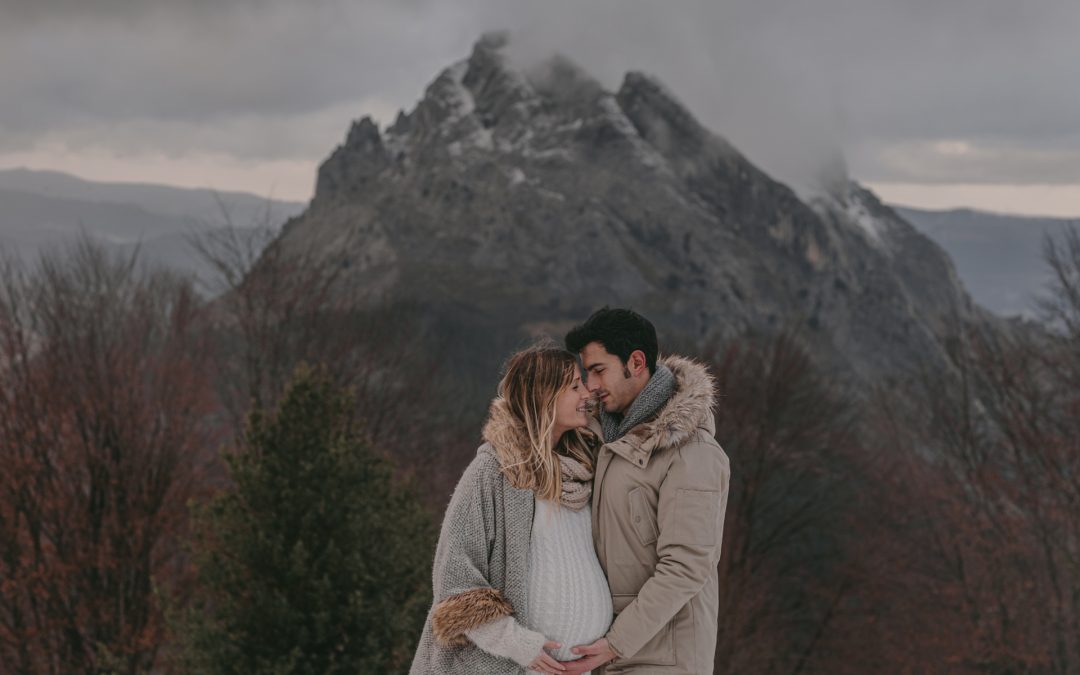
(530, 193)
(547, 110)
(362, 157)
(364, 135)
(658, 116)
(485, 85)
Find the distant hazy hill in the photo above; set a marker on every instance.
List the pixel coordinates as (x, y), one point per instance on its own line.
(999, 257)
(39, 209)
(195, 204)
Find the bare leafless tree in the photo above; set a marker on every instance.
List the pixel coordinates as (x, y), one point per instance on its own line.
(281, 304)
(791, 435)
(988, 495)
(103, 435)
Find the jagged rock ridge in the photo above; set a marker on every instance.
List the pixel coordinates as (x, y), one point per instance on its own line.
(521, 197)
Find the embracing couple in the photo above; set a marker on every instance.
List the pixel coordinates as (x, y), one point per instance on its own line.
(580, 541)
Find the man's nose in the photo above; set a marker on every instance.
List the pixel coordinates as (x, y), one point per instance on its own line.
(592, 384)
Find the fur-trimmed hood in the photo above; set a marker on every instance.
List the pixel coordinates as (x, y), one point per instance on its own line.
(503, 431)
(690, 407)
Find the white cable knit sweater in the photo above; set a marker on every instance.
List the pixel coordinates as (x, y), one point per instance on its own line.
(569, 599)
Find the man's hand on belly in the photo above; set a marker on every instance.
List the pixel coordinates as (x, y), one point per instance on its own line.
(595, 655)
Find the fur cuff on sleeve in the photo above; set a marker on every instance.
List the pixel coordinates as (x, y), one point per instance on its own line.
(463, 612)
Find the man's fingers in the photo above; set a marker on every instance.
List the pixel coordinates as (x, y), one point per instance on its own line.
(594, 648)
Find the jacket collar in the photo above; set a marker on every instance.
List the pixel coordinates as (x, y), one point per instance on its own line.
(689, 409)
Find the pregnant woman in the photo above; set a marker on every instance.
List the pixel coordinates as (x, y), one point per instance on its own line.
(516, 579)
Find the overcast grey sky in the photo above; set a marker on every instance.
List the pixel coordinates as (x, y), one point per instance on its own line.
(942, 102)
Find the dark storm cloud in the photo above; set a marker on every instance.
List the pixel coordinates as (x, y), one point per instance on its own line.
(129, 66)
(790, 82)
(974, 90)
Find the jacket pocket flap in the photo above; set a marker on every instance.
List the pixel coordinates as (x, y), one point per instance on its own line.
(642, 517)
(696, 515)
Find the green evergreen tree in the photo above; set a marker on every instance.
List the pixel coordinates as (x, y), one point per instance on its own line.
(317, 561)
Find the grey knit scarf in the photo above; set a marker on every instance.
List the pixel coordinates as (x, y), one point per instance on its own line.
(655, 394)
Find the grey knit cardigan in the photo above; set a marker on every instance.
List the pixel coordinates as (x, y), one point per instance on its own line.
(480, 572)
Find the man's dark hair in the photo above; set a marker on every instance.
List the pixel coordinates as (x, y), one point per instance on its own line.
(620, 331)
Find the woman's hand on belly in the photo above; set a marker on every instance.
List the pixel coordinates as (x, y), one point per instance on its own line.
(544, 663)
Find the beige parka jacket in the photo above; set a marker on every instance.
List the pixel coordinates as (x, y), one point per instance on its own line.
(659, 500)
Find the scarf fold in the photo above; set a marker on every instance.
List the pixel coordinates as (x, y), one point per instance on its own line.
(576, 483)
(656, 393)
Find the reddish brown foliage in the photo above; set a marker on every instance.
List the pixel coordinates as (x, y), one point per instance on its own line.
(103, 432)
(983, 526)
(791, 435)
(946, 541)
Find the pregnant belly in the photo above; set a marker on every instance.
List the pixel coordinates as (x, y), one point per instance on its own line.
(570, 606)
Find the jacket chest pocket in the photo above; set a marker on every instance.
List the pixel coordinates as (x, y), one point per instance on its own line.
(643, 517)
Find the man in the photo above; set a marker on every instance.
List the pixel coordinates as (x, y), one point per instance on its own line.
(659, 499)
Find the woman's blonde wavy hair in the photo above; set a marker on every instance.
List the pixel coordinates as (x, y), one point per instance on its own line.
(532, 382)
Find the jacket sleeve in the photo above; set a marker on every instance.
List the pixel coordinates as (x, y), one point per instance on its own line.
(464, 597)
(690, 514)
